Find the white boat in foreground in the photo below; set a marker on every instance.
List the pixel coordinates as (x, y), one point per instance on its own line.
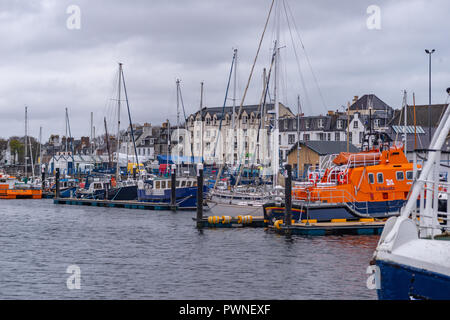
(412, 259)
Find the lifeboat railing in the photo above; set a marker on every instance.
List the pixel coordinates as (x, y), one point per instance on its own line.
(333, 196)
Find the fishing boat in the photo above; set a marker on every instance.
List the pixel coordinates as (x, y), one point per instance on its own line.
(67, 187)
(159, 190)
(12, 188)
(104, 187)
(412, 259)
(367, 184)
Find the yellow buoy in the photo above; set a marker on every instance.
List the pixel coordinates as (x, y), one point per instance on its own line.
(226, 219)
(278, 223)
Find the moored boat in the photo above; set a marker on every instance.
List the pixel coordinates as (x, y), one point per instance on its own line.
(412, 259)
(367, 184)
(12, 188)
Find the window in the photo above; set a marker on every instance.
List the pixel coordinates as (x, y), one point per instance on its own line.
(244, 119)
(163, 184)
(339, 124)
(337, 136)
(294, 124)
(400, 175)
(380, 177)
(291, 138)
(307, 124)
(286, 124)
(360, 137)
(355, 124)
(169, 184)
(329, 136)
(178, 184)
(320, 123)
(183, 183)
(208, 121)
(371, 178)
(158, 184)
(409, 175)
(350, 137)
(306, 137)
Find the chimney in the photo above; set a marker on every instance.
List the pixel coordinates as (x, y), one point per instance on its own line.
(355, 98)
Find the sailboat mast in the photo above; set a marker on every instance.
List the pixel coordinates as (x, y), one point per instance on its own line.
(234, 106)
(178, 124)
(201, 118)
(118, 122)
(40, 146)
(298, 135)
(66, 132)
(276, 161)
(26, 142)
(92, 135)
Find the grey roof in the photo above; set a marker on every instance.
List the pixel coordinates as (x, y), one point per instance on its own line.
(326, 147)
(436, 111)
(370, 101)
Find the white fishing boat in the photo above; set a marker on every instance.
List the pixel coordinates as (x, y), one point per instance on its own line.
(412, 259)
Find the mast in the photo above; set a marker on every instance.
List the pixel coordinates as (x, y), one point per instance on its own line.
(26, 142)
(233, 123)
(40, 146)
(298, 135)
(66, 132)
(118, 123)
(131, 123)
(348, 126)
(201, 119)
(276, 147)
(415, 133)
(178, 124)
(92, 135)
(404, 127)
(107, 144)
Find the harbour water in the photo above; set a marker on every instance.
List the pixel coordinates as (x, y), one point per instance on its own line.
(139, 254)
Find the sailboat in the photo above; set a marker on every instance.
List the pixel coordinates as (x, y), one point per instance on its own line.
(107, 187)
(11, 187)
(249, 199)
(412, 258)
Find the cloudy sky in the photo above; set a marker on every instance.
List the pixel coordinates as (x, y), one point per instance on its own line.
(48, 66)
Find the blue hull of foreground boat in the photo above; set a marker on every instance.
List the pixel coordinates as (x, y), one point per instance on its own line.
(402, 282)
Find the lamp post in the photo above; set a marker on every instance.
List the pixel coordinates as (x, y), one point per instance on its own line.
(429, 52)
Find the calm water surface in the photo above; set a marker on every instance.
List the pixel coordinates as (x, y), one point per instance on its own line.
(137, 254)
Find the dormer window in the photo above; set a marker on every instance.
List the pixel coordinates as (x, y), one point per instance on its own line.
(320, 123)
(244, 119)
(355, 125)
(339, 124)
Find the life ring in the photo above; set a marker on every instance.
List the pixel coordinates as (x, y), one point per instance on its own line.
(343, 177)
(313, 177)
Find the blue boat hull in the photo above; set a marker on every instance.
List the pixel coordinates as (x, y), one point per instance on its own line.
(382, 209)
(185, 197)
(401, 282)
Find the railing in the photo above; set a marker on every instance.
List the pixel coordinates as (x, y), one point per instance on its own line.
(333, 196)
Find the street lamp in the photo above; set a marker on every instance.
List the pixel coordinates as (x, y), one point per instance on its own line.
(429, 52)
